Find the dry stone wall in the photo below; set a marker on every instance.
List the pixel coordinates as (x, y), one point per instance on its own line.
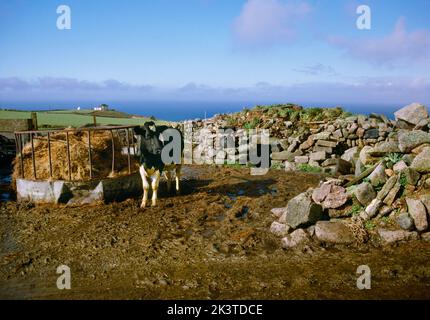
(378, 175)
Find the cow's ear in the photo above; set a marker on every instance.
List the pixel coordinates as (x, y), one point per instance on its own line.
(160, 129)
(147, 130)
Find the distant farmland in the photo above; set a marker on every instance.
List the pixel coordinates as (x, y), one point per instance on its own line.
(76, 118)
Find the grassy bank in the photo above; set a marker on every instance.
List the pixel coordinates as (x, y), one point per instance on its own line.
(76, 118)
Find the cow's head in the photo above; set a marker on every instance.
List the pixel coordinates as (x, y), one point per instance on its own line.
(149, 138)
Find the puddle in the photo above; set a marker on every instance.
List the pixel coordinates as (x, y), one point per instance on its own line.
(274, 192)
(243, 213)
(5, 181)
(232, 196)
(228, 204)
(5, 196)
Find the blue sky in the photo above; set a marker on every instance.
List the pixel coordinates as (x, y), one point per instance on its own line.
(216, 50)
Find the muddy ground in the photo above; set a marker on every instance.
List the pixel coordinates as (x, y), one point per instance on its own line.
(210, 242)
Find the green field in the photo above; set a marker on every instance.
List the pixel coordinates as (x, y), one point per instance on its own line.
(75, 118)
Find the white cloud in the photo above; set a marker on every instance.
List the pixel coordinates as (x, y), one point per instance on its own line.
(366, 90)
(398, 48)
(317, 69)
(57, 85)
(268, 21)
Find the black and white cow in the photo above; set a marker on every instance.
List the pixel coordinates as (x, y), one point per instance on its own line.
(172, 167)
(151, 141)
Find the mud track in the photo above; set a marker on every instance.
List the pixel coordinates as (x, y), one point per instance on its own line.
(210, 242)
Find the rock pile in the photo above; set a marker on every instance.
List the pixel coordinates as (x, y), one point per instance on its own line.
(387, 199)
(289, 125)
(329, 146)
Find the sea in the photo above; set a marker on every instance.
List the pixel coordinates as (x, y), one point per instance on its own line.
(184, 110)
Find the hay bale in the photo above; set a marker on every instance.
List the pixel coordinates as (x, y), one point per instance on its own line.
(101, 149)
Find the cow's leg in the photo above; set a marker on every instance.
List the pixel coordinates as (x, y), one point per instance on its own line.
(178, 177)
(155, 182)
(168, 175)
(145, 185)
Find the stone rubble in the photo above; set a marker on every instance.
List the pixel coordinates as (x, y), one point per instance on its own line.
(382, 168)
(391, 200)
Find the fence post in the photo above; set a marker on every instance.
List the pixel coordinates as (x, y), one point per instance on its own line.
(128, 151)
(113, 151)
(49, 154)
(34, 120)
(21, 156)
(68, 155)
(17, 148)
(32, 156)
(89, 154)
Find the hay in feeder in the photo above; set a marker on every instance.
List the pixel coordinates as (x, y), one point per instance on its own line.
(101, 154)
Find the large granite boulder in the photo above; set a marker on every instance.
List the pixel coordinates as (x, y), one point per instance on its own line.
(385, 147)
(319, 194)
(294, 239)
(421, 162)
(279, 229)
(412, 113)
(333, 232)
(302, 211)
(365, 156)
(392, 236)
(350, 155)
(411, 175)
(336, 198)
(418, 212)
(405, 221)
(378, 176)
(365, 193)
(409, 140)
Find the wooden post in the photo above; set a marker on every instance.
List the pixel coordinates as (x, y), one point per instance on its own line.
(133, 142)
(68, 156)
(113, 152)
(32, 156)
(34, 120)
(16, 143)
(94, 120)
(17, 147)
(89, 154)
(21, 156)
(128, 151)
(49, 154)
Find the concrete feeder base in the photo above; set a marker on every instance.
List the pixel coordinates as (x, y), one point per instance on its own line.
(78, 193)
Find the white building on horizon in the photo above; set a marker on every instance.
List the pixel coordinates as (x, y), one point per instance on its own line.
(102, 107)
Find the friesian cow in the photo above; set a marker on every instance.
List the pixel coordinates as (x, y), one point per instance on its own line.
(172, 163)
(154, 151)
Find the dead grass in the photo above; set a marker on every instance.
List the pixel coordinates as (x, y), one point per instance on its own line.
(101, 150)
